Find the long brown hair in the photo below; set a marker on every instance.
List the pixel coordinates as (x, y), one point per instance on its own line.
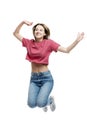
(46, 29)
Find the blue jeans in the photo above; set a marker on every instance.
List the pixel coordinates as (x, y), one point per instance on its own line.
(41, 85)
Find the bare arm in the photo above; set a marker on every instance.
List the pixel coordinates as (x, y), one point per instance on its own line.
(16, 33)
(80, 36)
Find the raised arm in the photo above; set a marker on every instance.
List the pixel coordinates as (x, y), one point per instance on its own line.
(80, 36)
(16, 33)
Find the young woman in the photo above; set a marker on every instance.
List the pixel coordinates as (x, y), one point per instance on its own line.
(38, 52)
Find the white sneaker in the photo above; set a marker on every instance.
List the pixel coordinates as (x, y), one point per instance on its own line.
(52, 104)
(45, 109)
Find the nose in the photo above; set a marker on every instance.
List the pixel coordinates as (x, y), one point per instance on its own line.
(38, 32)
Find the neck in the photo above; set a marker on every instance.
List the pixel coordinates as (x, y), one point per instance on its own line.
(39, 40)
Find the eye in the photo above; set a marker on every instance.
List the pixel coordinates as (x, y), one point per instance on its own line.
(36, 29)
(41, 30)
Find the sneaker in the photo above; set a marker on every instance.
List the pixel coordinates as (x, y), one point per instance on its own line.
(45, 109)
(52, 104)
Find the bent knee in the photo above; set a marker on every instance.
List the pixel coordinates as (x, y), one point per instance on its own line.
(31, 104)
(41, 104)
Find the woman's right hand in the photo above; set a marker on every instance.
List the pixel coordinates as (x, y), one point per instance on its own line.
(16, 33)
(28, 23)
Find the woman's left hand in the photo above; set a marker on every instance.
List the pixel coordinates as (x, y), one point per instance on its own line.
(80, 36)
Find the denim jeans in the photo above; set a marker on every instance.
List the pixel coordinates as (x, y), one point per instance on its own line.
(41, 85)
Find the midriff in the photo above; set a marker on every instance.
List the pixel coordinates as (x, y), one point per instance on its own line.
(39, 67)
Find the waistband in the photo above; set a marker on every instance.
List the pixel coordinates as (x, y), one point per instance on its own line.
(40, 73)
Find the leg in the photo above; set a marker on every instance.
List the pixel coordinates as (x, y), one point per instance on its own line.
(32, 95)
(45, 90)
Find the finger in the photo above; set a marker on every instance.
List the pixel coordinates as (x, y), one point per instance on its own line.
(30, 23)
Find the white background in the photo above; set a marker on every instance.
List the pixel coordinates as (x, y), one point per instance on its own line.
(65, 18)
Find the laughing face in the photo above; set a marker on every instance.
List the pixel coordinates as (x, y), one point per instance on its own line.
(39, 33)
